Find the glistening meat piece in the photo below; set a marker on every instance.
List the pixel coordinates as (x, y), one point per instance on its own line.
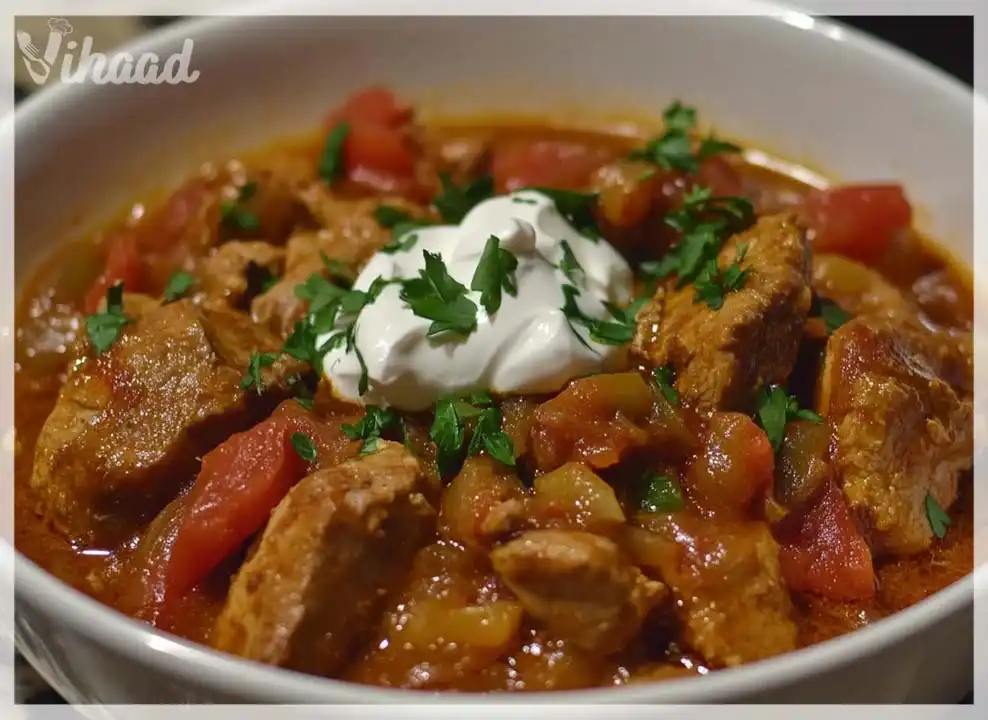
(581, 586)
(723, 358)
(903, 433)
(338, 543)
(130, 424)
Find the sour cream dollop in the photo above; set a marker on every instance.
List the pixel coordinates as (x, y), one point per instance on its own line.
(528, 346)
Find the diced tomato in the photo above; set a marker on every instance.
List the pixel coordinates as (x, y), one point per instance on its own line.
(549, 163)
(372, 106)
(721, 177)
(857, 220)
(377, 148)
(238, 486)
(823, 552)
(123, 264)
(332, 444)
(736, 466)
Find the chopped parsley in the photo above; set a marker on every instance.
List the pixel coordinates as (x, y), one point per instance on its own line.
(665, 380)
(104, 327)
(569, 265)
(449, 431)
(234, 215)
(455, 201)
(577, 207)
(253, 378)
(713, 283)
(436, 296)
(331, 159)
(401, 224)
(338, 270)
(775, 409)
(495, 272)
(673, 149)
(661, 494)
(373, 425)
(178, 285)
(618, 331)
(832, 314)
(938, 518)
(304, 446)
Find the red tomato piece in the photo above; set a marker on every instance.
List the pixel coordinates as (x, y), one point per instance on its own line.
(378, 148)
(372, 106)
(240, 483)
(123, 264)
(721, 177)
(549, 163)
(822, 551)
(857, 220)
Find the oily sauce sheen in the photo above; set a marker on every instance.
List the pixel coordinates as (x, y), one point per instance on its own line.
(49, 319)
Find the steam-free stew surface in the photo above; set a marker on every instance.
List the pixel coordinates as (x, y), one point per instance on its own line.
(625, 485)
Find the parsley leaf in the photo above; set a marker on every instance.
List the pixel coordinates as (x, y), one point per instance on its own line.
(833, 315)
(402, 225)
(373, 425)
(255, 365)
(619, 331)
(178, 284)
(775, 409)
(574, 314)
(304, 446)
(569, 264)
(455, 201)
(713, 284)
(233, 214)
(449, 431)
(104, 327)
(711, 146)
(331, 159)
(665, 381)
(673, 149)
(662, 494)
(577, 207)
(338, 270)
(496, 270)
(677, 116)
(937, 517)
(436, 296)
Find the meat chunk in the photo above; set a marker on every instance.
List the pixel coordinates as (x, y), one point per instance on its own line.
(726, 579)
(237, 270)
(903, 433)
(580, 585)
(334, 547)
(129, 424)
(349, 233)
(724, 357)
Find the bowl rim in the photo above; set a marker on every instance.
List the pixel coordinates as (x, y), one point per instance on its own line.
(205, 667)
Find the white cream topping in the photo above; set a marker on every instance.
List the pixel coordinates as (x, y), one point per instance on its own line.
(527, 346)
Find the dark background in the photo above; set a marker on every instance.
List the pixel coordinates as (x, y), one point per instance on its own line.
(947, 42)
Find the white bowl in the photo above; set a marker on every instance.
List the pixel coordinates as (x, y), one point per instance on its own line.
(810, 90)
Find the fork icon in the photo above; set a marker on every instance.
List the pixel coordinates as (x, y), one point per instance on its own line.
(38, 65)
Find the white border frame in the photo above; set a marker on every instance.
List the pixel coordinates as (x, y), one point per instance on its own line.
(70, 8)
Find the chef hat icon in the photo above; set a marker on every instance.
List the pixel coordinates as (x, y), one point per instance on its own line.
(60, 25)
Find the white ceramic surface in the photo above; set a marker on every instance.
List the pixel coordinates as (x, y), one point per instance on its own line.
(813, 91)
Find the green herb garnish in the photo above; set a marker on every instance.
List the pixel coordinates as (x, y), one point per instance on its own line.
(455, 201)
(402, 225)
(255, 365)
(713, 283)
(832, 314)
(673, 149)
(569, 265)
(178, 285)
(495, 272)
(304, 446)
(665, 381)
(331, 160)
(436, 296)
(449, 431)
(662, 494)
(938, 518)
(618, 331)
(233, 214)
(775, 409)
(371, 428)
(104, 327)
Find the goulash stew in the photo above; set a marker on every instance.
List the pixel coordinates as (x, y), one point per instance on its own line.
(498, 406)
